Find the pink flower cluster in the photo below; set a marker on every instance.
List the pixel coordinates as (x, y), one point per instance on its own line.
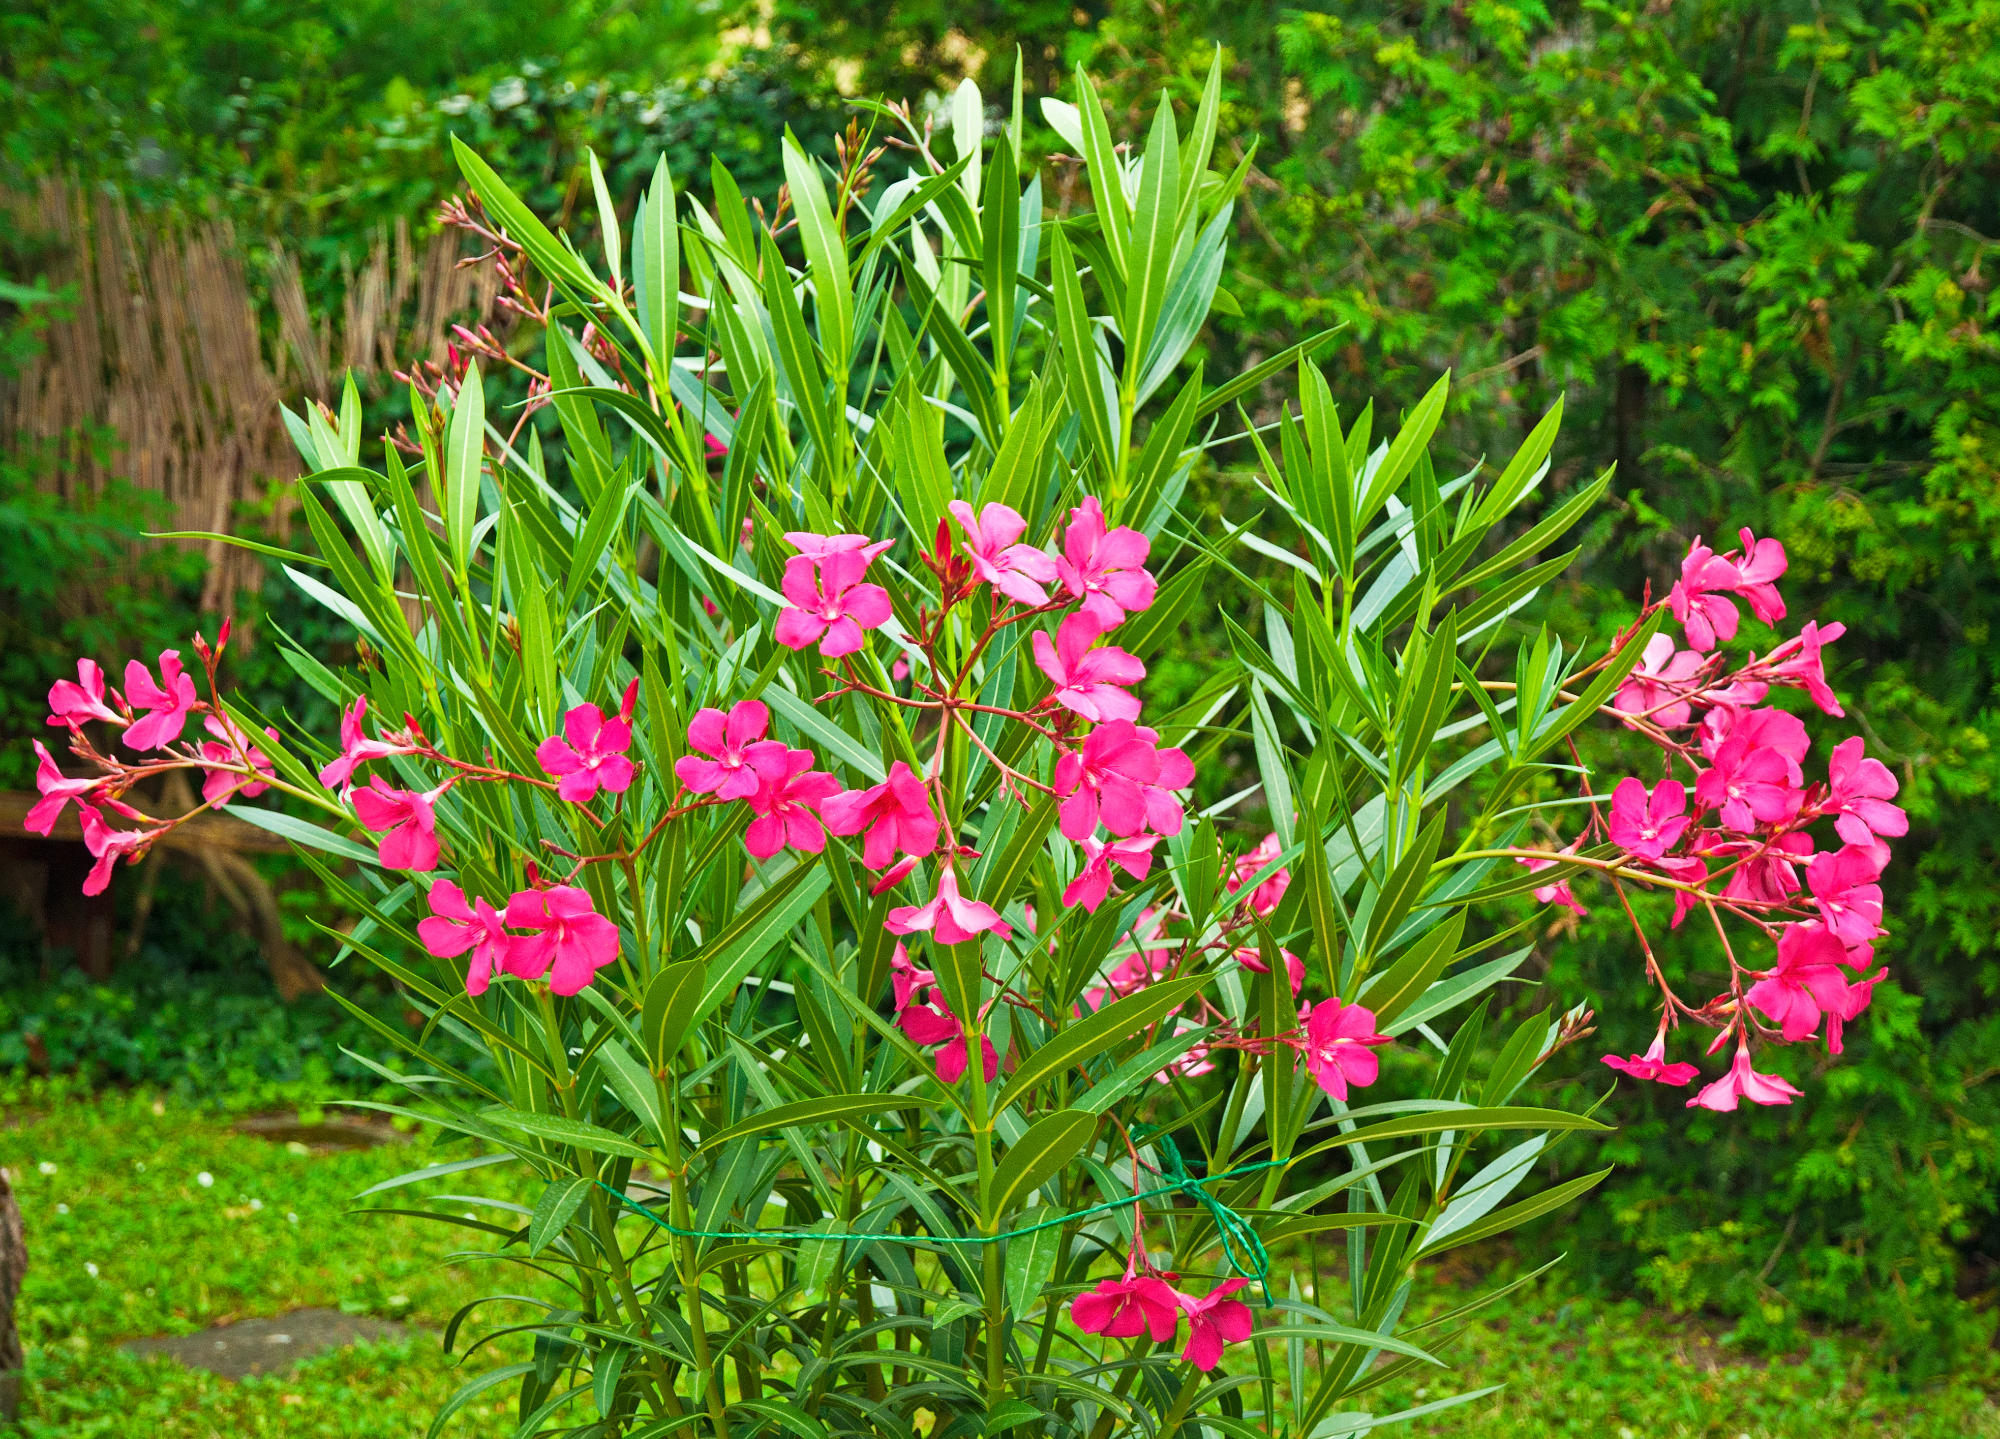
(1730, 829)
(1145, 1302)
(567, 939)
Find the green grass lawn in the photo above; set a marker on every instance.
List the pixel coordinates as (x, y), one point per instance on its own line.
(126, 1240)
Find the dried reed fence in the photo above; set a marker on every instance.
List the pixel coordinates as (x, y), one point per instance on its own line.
(163, 350)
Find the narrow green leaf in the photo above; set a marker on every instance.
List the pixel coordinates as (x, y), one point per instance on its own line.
(826, 255)
(1096, 1033)
(562, 1130)
(558, 1204)
(465, 448)
(832, 1109)
(1048, 1147)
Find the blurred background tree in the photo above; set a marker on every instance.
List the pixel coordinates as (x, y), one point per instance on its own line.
(1743, 240)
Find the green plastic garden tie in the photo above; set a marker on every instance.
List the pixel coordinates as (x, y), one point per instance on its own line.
(1234, 1229)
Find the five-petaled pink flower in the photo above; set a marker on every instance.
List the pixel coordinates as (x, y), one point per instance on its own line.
(1017, 571)
(1088, 682)
(1861, 789)
(231, 747)
(1264, 898)
(71, 702)
(1700, 598)
(1659, 684)
(949, 916)
(168, 703)
(896, 814)
(1743, 1082)
(406, 820)
(1757, 571)
(830, 603)
(454, 926)
(1806, 982)
(356, 749)
(572, 940)
(931, 1021)
(787, 802)
(1105, 781)
(1093, 881)
(1340, 1045)
(56, 791)
(1653, 1065)
(590, 752)
(735, 744)
(1103, 568)
(1647, 826)
(1213, 1321)
(1800, 663)
(1843, 887)
(1750, 785)
(1126, 1308)
(107, 845)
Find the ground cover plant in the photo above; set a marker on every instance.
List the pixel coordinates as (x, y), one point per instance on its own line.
(615, 864)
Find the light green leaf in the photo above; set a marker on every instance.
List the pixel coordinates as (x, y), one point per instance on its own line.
(1096, 1033)
(1037, 1157)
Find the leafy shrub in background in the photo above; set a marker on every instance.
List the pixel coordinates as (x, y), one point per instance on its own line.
(684, 1040)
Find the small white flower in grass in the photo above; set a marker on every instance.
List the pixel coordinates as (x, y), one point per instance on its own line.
(291, 1219)
(62, 1209)
(256, 1204)
(90, 1269)
(45, 1167)
(205, 1179)
(140, 1165)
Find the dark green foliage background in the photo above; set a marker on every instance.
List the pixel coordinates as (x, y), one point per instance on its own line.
(1744, 240)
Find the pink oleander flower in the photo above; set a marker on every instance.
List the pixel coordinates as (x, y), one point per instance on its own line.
(1093, 881)
(1843, 888)
(1688, 870)
(830, 602)
(1340, 1045)
(818, 547)
(931, 1021)
(896, 814)
(107, 845)
(168, 704)
(1164, 813)
(1700, 599)
(1861, 789)
(56, 792)
(949, 916)
(356, 749)
(1659, 684)
(1758, 568)
(1017, 571)
(1653, 1065)
(738, 752)
(231, 747)
(787, 805)
(714, 449)
(1105, 781)
(1214, 1320)
(588, 755)
(1088, 682)
(1190, 1065)
(1558, 893)
(1758, 728)
(1743, 1082)
(1806, 982)
(406, 820)
(1126, 1308)
(1103, 568)
(1647, 826)
(1769, 874)
(71, 702)
(454, 926)
(1264, 898)
(952, 1064)
(572, 941)
(905, 978)
(1295, 968)
(1749, 785)
(1801, 664)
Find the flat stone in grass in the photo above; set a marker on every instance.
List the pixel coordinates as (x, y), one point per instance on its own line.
(266, 1346)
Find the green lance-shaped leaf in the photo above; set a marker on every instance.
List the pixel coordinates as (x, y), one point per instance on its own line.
(1399, 893)
(1515, 1215)
(1399, 986)
(465, 447)
(551, 256)
(634, 1086)
(1410, 442)
(1097, 1033)
(1079, 351)
(819, 1259)
(826, 255)
(832, 1109)
(607, 221)
(553, 1211)
(672, 1000)
(1107, 182)
(1151, 254)
(562, 1130)
(1427, 698)
(656, 268)
(1050, 1144)
(1031, 1258)
(1000, 237)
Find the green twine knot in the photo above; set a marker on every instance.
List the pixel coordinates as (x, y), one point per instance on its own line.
(1240, 1245)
